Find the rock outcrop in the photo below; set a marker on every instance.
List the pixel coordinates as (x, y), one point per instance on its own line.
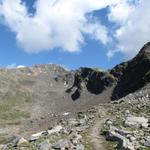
(132, 75)
(93, 80)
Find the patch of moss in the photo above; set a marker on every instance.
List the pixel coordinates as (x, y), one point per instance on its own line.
(27, 146)
(3, 140)
(111, 145)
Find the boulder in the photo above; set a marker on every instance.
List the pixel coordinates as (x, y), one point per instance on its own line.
(127, 145)
(136, 121)
(45, 145)
(61, 144)
(113, 136)
(3, 147)
(147, 142)
(22, 141)
(14, 140)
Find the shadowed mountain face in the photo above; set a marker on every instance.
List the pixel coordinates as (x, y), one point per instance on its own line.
(132, 75)
(31, 97)
(93, 80)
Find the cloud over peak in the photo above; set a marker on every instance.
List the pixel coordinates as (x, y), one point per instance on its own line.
(64, 24)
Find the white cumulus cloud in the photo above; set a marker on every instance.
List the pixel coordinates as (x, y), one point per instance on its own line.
(134, 29)
(64, 24)
(55, 23)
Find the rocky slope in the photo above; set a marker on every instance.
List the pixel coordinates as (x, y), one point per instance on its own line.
(121, 125)
(32, 99)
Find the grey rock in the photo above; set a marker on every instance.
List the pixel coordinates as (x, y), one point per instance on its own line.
(147, 142)
(55, 130)
(80, 147)
(63, 143)
(113, 136)
(82, 122)
(14, 140)
(3, 147)
(135, 121)
(109, 122)
(45, 145)
(36, 136)
(73, 122)
(81, 128)
(126, 145)
(144, 125)
(22, 141)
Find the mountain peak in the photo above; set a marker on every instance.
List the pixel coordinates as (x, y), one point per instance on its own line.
(144, 52)
(134, 74)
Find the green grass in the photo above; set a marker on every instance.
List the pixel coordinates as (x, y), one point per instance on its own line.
(3, 140)
(111, 145)
(27, 146)
(11, 106)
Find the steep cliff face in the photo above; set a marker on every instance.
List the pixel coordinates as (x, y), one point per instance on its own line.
(132, 75)
(92, 80)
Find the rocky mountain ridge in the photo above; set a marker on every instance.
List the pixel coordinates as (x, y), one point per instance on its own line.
(132, 75)
(34, 98)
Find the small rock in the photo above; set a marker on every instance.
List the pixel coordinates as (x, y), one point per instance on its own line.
(109, 122)
(82, 122)
(22, 141)
(127, 145)
(81, 128)
(55, 130)
(36, 136)
(63, 143)
(131, 138)
(80, 147)
(66, 113)
(73, 122)
(45, 145)
(147, 142)
(113, 136)
(144, 125)
(14, 140)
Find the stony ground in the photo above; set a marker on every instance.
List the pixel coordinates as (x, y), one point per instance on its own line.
(121, 125)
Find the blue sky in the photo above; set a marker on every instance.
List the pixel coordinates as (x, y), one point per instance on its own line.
(93, 50)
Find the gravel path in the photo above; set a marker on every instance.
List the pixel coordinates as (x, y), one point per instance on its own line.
(96, 140)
